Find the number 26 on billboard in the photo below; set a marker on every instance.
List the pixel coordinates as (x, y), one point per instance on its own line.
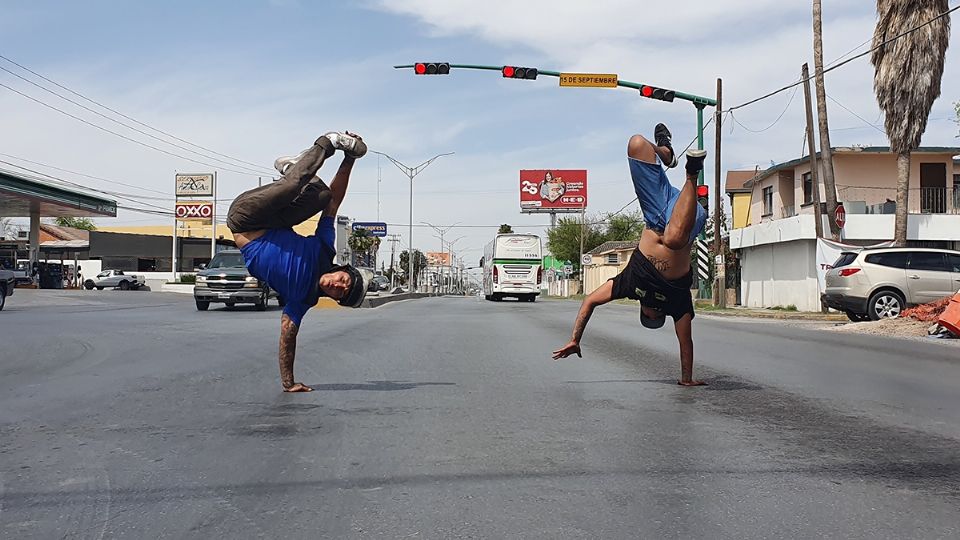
(530, 187)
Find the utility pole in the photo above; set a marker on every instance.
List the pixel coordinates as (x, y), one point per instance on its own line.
(393, 239)
(812, 146)
(720, 268)
(826, 153)
(411, 172)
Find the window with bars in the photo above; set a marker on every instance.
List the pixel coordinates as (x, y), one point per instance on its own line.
(613, 258)
(768, 201)
(807, 188)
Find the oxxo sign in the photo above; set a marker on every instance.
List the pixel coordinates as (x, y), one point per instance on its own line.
(194, 210)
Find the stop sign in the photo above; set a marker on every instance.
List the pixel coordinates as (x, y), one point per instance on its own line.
(841, 216)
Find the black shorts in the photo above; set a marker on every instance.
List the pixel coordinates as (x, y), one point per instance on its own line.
(640, 280)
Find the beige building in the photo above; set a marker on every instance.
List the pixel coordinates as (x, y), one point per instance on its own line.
(776, 238)
(606, 261)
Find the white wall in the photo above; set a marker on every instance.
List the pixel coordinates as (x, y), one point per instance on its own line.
(780, 275)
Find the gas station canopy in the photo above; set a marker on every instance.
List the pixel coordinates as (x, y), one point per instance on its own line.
(20, 196)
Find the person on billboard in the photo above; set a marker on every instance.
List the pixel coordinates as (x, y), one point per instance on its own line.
(659, 273)
(552, 189)
(299, 268)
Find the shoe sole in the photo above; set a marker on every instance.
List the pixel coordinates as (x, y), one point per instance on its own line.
(696, 153)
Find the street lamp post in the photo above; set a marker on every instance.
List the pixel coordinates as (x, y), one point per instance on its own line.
(411, 172)
(450, 247)
(441, 232)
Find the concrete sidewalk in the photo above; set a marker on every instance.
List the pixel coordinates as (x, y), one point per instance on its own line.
(758, 313)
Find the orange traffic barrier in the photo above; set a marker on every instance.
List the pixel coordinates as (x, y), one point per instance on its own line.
(950, 319)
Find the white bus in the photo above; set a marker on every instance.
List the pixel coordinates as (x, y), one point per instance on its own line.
(513, 267)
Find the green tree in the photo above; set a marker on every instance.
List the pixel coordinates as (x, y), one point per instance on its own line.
(419, 263)
(505, 229)
(86, 224)
(624, 227)
(563, 240)
(364, 244)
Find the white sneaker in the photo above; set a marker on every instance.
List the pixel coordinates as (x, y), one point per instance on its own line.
(350, 145)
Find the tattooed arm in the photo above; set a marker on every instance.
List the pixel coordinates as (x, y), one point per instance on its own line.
(288, 350)
(598, 297)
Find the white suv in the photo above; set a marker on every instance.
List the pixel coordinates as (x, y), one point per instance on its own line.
(878, 283)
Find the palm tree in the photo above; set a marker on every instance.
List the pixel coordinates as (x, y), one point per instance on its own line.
(906, 81)
(361, 241)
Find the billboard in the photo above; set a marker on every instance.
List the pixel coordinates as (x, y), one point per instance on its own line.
(376, 228)
(553, 190)
(438, 258)
(194, 210)
(194, 185)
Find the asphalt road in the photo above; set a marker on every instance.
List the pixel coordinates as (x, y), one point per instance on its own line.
(132, 415)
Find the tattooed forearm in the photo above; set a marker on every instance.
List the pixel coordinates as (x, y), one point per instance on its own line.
(288, 349)
(581, 323)
(662, 265)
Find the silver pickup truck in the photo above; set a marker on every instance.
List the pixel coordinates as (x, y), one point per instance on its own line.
(7, 282)
(113, 279)
(227, 281)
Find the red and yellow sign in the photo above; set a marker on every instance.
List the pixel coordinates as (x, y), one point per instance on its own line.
(194, 210)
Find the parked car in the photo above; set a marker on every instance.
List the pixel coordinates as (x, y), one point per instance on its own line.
(226, 280)
(7, 282)
(379, 283)
(877, 283)
(113, 279)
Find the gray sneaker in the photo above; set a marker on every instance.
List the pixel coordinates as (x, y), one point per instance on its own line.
(285, 162)
(351, 146)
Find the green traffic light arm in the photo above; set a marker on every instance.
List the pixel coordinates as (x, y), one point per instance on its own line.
(699, 101)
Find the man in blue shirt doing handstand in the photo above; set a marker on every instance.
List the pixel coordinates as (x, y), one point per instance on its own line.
(299, 268)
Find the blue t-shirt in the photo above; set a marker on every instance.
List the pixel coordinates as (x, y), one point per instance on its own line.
(292, 264)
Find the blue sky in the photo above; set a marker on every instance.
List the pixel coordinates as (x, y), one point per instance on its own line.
(258, 79)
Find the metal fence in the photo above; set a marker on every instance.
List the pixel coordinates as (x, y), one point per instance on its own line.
(928, 200)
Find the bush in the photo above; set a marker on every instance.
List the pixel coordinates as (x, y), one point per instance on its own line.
(188, 278)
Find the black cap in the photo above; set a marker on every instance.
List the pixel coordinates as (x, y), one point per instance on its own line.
(652, 323)
(357, 290)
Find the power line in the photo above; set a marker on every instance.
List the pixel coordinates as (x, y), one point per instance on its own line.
(865, 121)
(775, 122)
(98, 113)
(73, 184)
(80, 174)
(122, 136)
(125, 116)
(845, 62)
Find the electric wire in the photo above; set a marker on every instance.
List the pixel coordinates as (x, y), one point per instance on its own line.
(122, 136)
(845, 62)
(126, 116)
(98, 113)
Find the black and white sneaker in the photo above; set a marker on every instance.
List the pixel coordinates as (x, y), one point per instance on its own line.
(663, 138)
(695, 161)
(351, 145)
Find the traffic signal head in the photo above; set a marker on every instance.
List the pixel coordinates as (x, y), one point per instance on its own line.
(653, 92)
(703, 196)
(431, 68)
(514, 72)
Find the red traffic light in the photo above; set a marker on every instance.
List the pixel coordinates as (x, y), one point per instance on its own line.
(703, 190)
(514, 72)
(653, 92)
(431, 68)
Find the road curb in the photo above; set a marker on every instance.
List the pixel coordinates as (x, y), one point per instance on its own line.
(377, 301)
